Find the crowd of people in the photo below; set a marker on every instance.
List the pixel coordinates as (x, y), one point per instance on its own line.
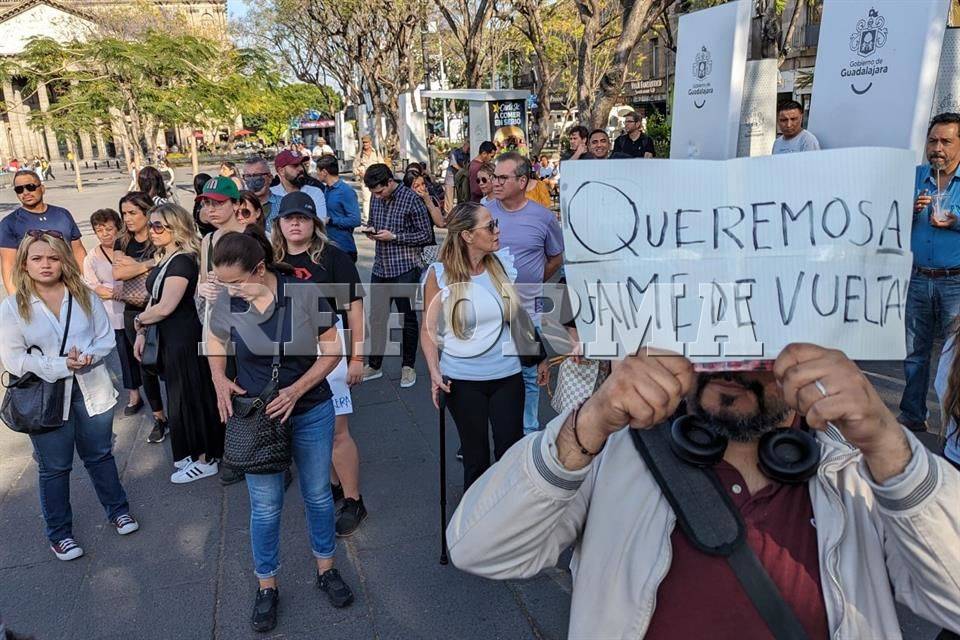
(839, 541)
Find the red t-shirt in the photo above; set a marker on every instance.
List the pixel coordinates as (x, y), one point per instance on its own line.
(702, 598)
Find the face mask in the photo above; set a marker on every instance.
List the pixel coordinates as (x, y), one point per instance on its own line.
(299, 180)
(257, 183)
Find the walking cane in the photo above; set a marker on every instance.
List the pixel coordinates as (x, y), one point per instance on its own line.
(442, 401)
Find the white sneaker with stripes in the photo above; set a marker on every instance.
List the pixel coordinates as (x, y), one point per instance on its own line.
(196, 470)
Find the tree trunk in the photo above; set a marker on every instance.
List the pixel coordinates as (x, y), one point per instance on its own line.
(76, 164)
(194, 156)
(590, 18)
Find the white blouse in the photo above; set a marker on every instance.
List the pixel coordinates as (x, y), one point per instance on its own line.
(91, 336)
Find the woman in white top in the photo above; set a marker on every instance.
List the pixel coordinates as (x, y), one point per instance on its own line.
(98, 274)
(465, 337)
(33, 322)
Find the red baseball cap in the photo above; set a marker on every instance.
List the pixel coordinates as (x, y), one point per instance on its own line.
(286, 158)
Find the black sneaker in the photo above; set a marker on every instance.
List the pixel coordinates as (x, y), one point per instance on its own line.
(337, 491)
(133, 409)
(229, 475)
(351, 514)
(264, 616)
(336, 589)
(158, 433)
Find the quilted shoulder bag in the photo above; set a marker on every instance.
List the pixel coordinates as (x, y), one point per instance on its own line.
(256, 443)
(32, 405)
(577, 382)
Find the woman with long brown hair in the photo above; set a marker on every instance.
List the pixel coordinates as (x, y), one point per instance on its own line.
(196, 433)
(467, 297)
(133, 258)
(52, 309)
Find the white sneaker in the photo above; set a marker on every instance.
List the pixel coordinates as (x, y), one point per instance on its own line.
(369, 373)
(408, 377)
(183, 464)
(195, 471)
(67, 549)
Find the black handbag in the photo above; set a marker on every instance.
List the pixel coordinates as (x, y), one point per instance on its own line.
(256, 443)
(32, 405)
(150, 357)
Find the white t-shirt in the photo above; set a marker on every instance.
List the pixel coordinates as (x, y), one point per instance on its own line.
(803, 141)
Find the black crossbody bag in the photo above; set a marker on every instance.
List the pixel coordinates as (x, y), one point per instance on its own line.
(32, 405)
(712, 523)
(256, 443)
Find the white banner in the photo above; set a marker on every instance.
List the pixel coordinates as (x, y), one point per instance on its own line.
(876, 69)
(711, 61)
(734, 260)
(758, 114)
(947, 98)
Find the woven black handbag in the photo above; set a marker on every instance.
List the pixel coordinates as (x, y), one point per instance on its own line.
(256, 443)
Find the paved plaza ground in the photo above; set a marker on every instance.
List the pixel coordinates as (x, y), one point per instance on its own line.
(187, 573)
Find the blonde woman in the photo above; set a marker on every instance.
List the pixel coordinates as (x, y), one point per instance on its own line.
(466, 296)
(196, 433)
(51, 302)
(299, 240)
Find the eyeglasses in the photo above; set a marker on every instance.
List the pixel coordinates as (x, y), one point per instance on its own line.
(246, 212)
(20, 188)
(482, 181)
(36, 234)
(247, 176)
(501, 179)
(491, 226)
(158, 227)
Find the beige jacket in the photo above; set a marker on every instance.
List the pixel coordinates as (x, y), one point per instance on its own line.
(878, 543)
(361, 163)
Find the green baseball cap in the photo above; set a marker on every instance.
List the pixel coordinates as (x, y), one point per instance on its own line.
(220, 189)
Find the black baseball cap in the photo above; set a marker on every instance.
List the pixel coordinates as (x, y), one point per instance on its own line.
(297, 202)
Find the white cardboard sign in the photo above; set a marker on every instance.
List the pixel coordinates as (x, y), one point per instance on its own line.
(711, 61)
(875, 74)
(734, 260)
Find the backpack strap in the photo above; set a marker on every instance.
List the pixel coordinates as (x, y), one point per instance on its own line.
(712, 523)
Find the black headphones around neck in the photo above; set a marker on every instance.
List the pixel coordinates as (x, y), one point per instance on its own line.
(789, 456)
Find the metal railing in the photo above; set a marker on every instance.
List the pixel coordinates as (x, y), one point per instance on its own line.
(806, 36)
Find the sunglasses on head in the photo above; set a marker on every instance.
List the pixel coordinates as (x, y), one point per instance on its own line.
(36, 234)
(20, 188)
(158, 227)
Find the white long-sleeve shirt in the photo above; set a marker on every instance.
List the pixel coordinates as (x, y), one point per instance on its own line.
(91, 336)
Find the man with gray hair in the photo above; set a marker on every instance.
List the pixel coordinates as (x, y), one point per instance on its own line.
(532, 235)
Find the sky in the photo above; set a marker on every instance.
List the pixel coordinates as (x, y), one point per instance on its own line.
(236, 8)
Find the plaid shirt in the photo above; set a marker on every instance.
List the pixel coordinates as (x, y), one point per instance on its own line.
(406, 216)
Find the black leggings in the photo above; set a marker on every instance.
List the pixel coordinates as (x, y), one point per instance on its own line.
(473, 404)
(151, 383)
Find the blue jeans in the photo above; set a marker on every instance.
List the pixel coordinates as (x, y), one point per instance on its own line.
(93, 438)
(531, 400)
(312, 451)
(932, 304)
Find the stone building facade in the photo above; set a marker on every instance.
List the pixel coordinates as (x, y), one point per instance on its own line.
(65, 20)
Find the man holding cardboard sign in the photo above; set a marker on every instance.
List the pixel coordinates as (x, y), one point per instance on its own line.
(933, 300)
(785, 502)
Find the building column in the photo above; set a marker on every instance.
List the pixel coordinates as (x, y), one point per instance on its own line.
(101, 145)
(86, 145)
(6, 151)
(31, 142)
(53, 149)
(15, 117)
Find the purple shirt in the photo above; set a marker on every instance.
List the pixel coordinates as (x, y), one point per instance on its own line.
(531, 235)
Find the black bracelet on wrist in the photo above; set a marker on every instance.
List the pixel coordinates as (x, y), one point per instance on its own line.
(576, 436)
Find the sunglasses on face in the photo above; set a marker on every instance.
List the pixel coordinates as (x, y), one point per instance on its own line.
(36, 234)
(246, 213)
(491, 226)
(158, 227)
(25, 187)
(482, 180)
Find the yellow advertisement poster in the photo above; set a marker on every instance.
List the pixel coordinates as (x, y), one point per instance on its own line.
(954, 20)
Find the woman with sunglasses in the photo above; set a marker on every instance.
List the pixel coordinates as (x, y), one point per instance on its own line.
(196, 434)
(485, 182)
(484, 385)
(251, 209)
(52, 309)
(300, 240)
(310, 350)
(133, 258)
